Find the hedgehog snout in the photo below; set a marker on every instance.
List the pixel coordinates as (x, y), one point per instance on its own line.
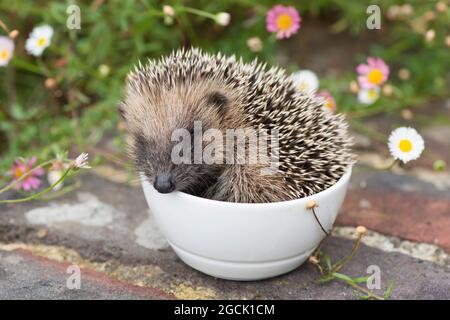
(164, 183)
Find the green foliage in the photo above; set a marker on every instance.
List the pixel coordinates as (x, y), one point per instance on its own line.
(81, 108)
(329, 272)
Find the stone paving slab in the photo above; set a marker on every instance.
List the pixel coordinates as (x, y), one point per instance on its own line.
(23, 275)
(106, 228)
(27, 276)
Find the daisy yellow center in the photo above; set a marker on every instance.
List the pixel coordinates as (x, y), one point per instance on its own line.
(372, 94)
(405, 145)
(41, 42)
(303, 85)
(4, 55)
(284, 22)
(329, 104)
(375, 76)
(18, 173)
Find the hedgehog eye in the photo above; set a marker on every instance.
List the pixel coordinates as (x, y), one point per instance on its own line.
(217, 99)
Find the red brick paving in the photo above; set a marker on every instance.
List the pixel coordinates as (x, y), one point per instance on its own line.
(407, 215)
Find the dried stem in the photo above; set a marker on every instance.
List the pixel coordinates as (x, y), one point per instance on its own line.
(355, 248)
(3, 26)
(317, 219)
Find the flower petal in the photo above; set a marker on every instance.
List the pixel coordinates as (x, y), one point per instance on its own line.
(362, 69)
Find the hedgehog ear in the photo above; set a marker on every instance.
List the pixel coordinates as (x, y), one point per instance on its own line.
(121, 110)
(217, 99)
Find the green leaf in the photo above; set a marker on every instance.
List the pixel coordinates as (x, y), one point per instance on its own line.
(327, 260)
(326, 278)
(387, 294)
(342, 277)
(17, 112)
(360, 279)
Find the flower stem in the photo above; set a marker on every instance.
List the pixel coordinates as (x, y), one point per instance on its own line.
(364, 290)
(43, 67)
(24, 65)
(318, 221)
(3, 26)
(317, 250)
(389, 166)
(198, 12)
(59, 193)
(346, 260)
(372, 133)
(36, 195)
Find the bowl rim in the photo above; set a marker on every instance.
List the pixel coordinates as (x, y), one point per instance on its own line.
(189, 197)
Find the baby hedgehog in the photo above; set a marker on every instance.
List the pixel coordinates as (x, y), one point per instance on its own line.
(220, 92)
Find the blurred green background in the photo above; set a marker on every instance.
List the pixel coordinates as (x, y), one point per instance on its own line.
(76, 108)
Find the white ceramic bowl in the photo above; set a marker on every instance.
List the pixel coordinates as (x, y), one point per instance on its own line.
(242, 241)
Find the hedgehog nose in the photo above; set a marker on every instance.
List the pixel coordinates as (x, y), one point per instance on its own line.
(164, 183)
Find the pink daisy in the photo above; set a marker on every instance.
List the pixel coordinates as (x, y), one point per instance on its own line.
(330, 103)
(372, 74)
(19, 168)
(285, 21)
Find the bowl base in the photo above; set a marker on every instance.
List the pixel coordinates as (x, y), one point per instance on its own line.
(240, 271)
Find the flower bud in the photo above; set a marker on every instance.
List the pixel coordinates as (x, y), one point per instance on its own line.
(313, 260)
(361, 230)
(223, 18)
(430, 35)
(311, 204)
(387, 90)
(255, 44)
(441, 6)
(404, 74)
(13, 34)
(169, 11)
(407, 114)
(104, 70)
(429, 15)
(53, 176)
(50, 83)
(354, 88)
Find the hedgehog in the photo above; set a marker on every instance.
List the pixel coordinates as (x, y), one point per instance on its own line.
(221, 92)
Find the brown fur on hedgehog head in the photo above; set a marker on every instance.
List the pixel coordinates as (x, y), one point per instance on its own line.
(153, 113)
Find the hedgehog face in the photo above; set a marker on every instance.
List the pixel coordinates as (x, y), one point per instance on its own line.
(162, 135)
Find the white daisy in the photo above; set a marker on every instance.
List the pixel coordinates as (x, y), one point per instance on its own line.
(39, 39)
(368, 96)
(306, 81)
(405, 144)
(6, 50)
